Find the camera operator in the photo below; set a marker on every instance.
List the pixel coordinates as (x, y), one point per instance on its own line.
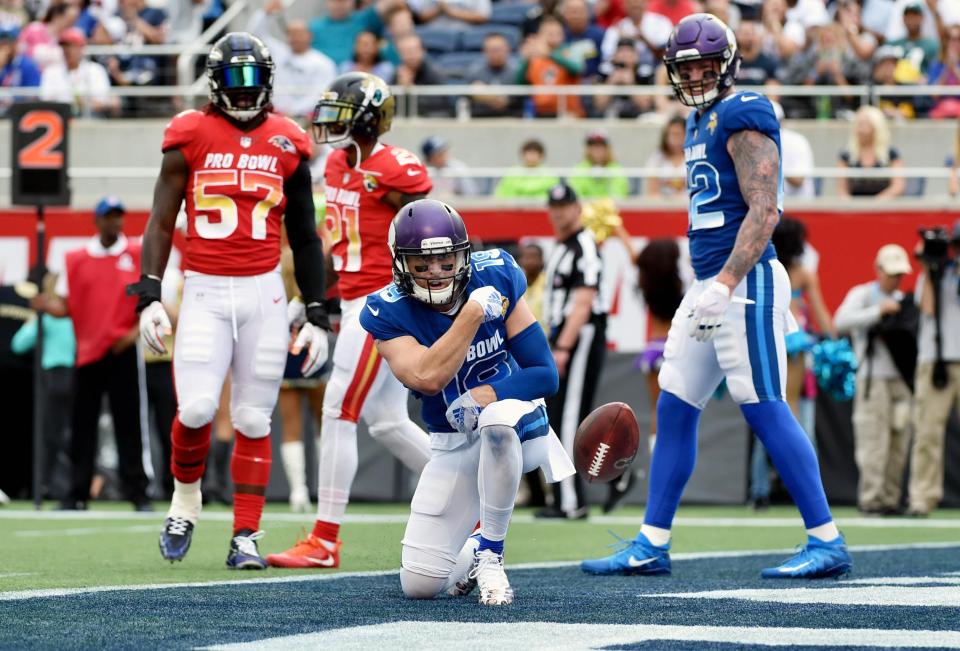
(881, 408)
(938, 365)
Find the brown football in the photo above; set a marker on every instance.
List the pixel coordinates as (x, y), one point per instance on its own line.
(606, 442)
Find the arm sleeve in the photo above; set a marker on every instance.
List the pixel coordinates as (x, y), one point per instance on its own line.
(537, 377)
(302, 233)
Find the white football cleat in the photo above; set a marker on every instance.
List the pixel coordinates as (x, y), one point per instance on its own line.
(492, 580)
(4, 499)
(463, 570)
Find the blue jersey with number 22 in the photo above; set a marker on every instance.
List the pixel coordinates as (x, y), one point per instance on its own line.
(716, 205)
(390, 313)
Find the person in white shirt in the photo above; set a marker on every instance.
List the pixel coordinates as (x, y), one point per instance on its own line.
(302, 73)
(78, 81)
(649, 30)
(796, 156)
(881, 408)
(436, 155)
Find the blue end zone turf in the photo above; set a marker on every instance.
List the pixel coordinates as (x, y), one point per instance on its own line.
(905, 589)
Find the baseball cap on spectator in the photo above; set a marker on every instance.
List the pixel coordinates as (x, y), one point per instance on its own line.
(892, 259)
(561, 194)
(107, 205)
(597, 138)
(433, 145)
(72, 36)
(913, 7)
(885, 52)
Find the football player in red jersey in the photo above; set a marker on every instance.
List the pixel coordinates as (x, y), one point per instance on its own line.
(366, 183)
(241, 169)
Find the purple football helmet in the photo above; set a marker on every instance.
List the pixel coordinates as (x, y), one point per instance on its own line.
(696, 37)
(428, 227)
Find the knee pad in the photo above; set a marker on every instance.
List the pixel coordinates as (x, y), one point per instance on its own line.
(502, 412)
(251, 422)
(198, 412)
(420, 586)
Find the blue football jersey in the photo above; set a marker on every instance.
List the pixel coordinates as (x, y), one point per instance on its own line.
(716, 205)
(390, 313)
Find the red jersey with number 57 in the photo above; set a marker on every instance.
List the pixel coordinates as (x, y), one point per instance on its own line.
(357, 218)
(234, 193)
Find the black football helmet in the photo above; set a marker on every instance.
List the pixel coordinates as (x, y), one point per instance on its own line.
(240, 74)
(355, 104)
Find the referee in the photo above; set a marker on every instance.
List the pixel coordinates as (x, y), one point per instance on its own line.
(576, 319)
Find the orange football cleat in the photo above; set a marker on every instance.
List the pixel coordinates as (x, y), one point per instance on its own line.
(308, 552)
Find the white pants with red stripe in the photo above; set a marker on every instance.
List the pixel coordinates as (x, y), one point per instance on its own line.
(361, 386)
(237, 324)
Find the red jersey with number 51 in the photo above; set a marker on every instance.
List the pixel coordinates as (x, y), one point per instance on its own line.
(234, 193)
(358, 220)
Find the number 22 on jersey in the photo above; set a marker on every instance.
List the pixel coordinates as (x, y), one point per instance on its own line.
(206, 198)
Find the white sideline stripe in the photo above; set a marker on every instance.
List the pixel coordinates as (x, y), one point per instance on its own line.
(876, 595)
(401, 518)
(545, 635)
(5, 575)
(19, 595)
(84, 531)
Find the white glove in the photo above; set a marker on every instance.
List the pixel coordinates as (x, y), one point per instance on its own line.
(154, 325)
(296, 312)
(464, 412)
(318, 348)
(490, 300)
(706, 317)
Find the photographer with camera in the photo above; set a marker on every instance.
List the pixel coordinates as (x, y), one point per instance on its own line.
(881, 320)
(938, 365)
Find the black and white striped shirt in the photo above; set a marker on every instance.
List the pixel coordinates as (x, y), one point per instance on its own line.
(574, 262)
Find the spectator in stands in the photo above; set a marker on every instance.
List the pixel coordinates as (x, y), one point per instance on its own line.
(608, 12)
(451, 13)
(13, 14)
(495, 68)
(133, 25)
(881, 408)
(935, 401)
(919, 51)
(398, 22)
(724, 10)
(598, 156)
(302, 73)
(796, 156)
(891, 69)
(583, 38)
(185, 19)
(16, 70)
(518, 182)
(788, 37)
(648, 30)
(367, 58)
(335, 32)
(40, 39)
(92, 292)
(624, 69)
(78, 81)
(436, 155)
(757, 68)
(669, 157)
(945, 71)
(416, 70)
(869, 147)
(546, 61)
(897, 29)
(674, 10)
(859, 41)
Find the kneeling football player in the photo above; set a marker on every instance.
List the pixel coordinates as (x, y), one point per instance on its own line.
(454, 328)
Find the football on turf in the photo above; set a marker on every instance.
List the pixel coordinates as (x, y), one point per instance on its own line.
(606, 442)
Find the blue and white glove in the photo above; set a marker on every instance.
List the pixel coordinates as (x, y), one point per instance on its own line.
(463, 413)
(706, 317)
(490, 300)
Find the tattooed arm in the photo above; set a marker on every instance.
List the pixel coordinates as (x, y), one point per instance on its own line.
(757, 161)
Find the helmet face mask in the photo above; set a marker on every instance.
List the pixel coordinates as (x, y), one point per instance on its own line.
(356, 105)
(422, 234)
(240, 76)
(701, 38)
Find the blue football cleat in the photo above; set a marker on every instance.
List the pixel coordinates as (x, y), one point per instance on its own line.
(816, 560)
(638, 556)
(244, 554)
(175, 538)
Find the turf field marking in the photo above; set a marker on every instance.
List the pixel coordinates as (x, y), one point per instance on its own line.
(878, 595)
(84, 531)
(20, 595)
(7, 575)
(544, 635)
(401, 518)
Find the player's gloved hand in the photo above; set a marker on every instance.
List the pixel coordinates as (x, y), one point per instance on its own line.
(490, 300)
(296, 312)
(313, 335)
(154, 325)
(464, 412)
(706, 317)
